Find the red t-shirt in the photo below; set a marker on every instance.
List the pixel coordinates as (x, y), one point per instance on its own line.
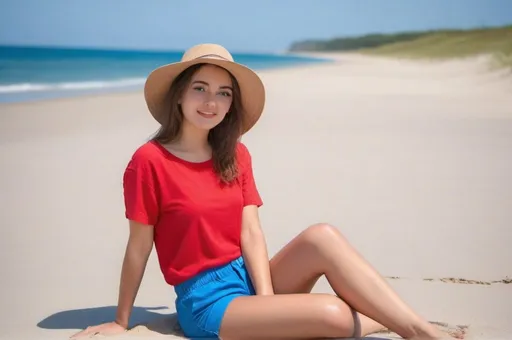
(197, 219)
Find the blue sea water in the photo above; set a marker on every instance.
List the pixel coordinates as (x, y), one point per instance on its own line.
(28, 73)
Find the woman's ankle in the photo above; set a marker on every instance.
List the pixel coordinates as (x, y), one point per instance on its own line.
(426, 331)
(420, 331)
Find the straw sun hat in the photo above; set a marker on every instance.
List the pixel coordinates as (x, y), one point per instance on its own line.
(159, 81)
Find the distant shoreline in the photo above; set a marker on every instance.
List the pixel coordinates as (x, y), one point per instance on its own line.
(36, 72)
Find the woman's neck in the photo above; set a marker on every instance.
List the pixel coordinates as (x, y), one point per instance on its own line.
(193, 140)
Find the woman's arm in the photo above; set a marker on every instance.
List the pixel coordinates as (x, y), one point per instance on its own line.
(138, 249)
(254, 251)
(142, 209)
(136, 256)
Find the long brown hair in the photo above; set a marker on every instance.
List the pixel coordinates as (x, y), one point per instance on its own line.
(222, 138)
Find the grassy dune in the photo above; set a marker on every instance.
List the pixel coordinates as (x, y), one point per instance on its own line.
(453, 44)
(439, 44)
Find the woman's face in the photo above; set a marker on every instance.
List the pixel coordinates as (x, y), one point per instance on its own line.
(207, 98)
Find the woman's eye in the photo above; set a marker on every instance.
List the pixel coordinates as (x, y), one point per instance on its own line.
(202, 89)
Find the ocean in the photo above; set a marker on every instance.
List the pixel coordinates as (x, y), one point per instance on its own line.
(31, 73)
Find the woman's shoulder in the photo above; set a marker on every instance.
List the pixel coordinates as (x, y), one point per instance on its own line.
(145, 154)
(242, 150)
(243, 155)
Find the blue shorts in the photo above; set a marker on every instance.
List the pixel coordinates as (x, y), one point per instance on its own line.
(202, 300)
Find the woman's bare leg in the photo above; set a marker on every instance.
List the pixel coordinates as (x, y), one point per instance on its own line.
(287, 316)
(291, 274)
(321, 249)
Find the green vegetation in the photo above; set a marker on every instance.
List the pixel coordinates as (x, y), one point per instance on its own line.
(429, 44)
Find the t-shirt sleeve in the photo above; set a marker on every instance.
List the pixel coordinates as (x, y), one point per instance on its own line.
(140, 197)
(250, 192)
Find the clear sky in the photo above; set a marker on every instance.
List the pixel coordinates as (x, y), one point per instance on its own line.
(243, 25)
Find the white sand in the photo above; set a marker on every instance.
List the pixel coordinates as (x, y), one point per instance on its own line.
(412, 161)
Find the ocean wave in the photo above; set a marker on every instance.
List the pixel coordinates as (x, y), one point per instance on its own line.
(69, 86)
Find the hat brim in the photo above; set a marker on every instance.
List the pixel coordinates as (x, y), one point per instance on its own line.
(158, 83)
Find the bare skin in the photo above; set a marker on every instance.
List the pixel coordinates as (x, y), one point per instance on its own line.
(296, 313)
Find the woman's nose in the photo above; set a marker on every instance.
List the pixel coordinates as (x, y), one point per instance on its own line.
(210, 100)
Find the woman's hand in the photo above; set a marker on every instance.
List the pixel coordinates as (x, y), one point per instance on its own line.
(109, 328)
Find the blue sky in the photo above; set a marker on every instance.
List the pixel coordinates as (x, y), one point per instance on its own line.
(260, 25)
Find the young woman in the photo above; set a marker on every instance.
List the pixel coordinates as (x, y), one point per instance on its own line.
(190, 191)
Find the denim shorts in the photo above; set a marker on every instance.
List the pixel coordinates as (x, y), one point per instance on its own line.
(202, 300)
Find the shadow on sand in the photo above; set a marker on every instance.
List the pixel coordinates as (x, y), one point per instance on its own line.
(83, 318)
(164, 324)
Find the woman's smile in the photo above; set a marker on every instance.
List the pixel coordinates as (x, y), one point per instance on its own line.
(206, 114)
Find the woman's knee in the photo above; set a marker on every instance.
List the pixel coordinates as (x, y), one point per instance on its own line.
(336, 318)
(321, 232)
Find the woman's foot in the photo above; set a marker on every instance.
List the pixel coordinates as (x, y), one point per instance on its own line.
(429, 332)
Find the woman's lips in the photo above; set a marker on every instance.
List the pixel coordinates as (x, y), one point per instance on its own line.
(206, 114)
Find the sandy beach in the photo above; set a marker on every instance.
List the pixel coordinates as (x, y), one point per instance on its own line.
(411, 160)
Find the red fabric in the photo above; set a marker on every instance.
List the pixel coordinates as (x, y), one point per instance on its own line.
(197, 219)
